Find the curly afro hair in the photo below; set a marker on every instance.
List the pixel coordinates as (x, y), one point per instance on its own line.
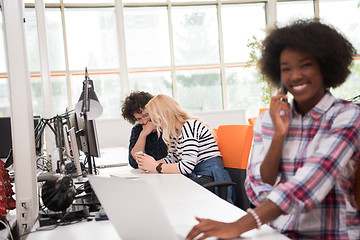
(333, 52)
(133, 103)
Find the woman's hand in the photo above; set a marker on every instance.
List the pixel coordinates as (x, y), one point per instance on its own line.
(209, 228)
(148, 128)
(269, 168)
(146, 162)
(280, 114)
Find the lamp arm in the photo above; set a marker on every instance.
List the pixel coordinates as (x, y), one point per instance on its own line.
(86, 102)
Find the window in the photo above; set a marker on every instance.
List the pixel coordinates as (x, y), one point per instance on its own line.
(344, 15)
(199, 90)
(198, 70)
(91, 38)
(107, 88)
(2, 47)
(196, 39)
(145, 81)
(241, 23)
(55, 39)
(4, 97)
(32, 40)
(288, 11)
(147, 37)
(4, 86)
(351, 88)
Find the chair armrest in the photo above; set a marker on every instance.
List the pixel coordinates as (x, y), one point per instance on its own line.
(222, 187)
(218, 184)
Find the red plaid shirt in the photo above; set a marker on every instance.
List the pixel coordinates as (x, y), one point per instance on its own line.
(315, 185)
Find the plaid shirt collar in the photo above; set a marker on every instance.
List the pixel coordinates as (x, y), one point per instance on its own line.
(320, 108)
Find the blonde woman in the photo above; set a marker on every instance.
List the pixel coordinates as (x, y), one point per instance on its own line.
(193, 150)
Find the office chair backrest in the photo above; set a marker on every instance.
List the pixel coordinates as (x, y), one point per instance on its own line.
(252, 121)
(234, 144)
(215, 131)
(261, 110)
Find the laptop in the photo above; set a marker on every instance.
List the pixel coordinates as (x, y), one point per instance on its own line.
(133, 215)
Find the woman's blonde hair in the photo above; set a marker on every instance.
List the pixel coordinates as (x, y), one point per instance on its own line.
(165, 112)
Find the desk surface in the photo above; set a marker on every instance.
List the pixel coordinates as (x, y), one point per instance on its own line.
(182, 200)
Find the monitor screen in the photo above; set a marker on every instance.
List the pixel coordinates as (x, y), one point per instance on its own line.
(79, 125)
(72, 123)
(6, 139)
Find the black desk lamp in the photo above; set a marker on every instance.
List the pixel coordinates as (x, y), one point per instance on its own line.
(92, 107)
(89, 108)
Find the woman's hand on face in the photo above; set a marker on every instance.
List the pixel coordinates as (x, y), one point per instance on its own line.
(280, 114)
(146, 162)
(148, 128)
(208, 228)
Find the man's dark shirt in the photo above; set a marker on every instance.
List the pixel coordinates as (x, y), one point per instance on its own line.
(154, 146)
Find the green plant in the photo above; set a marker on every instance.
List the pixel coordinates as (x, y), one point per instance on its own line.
(255, 45)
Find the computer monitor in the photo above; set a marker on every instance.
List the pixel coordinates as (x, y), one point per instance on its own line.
(75, 151)
(72, 123)
(6, 139)
(79, 125)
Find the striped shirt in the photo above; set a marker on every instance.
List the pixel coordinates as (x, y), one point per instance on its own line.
(315, 185)
(195, 145)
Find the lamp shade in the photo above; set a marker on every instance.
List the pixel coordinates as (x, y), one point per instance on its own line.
(95, 109)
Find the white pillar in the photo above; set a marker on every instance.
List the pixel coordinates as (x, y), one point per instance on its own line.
(122, 48)
(45, 74)
(271, 13)
(22, 124)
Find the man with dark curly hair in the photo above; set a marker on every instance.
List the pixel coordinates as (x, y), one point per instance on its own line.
(143, 135)
(302, 169)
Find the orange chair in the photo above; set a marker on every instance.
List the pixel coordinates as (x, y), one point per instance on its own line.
(261, 110)
(234, 143)
(252, 121)
(215, 131)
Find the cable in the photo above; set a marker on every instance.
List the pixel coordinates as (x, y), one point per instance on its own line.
(43, 164)
(7, 225)
(354, 98)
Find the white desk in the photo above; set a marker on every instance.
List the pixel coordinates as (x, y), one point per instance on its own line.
(182, 199)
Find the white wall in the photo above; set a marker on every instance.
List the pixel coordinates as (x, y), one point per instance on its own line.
(116, 132)
(113, 132)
